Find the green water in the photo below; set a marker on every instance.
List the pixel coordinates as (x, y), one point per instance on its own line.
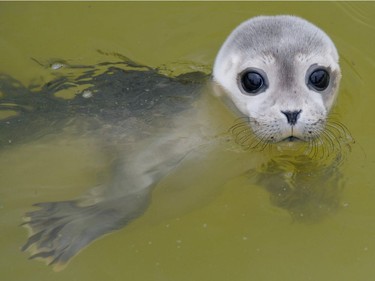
(236, 234)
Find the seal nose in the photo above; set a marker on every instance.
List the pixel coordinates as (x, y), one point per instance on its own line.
(292, 116)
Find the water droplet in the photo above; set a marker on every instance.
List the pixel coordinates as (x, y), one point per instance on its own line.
(56, 65)
(87, 94)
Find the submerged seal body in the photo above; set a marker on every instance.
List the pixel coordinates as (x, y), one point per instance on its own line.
(279, 73)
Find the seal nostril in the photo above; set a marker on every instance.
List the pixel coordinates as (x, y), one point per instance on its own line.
(292, 116)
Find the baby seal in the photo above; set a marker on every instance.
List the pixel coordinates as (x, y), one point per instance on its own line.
(280, 72)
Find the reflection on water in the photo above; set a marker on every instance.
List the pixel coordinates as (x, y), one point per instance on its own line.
(237, 231)
(302, 178)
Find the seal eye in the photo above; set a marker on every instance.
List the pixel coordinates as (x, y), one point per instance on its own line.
(319, 79)
(252, 82)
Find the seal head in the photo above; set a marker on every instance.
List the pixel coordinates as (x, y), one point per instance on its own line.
(281, 72)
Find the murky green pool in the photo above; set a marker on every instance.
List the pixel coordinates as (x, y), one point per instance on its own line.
(234, 234)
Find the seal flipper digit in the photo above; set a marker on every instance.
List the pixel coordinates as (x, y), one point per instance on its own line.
(59, 230)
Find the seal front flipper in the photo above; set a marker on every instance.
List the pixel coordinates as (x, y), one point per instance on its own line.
(59, 230)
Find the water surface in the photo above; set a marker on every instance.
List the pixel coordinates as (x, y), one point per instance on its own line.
(235, 234)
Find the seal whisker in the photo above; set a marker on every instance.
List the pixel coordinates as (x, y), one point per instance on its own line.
(328, 138)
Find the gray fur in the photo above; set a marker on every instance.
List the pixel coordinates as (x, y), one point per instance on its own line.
(281, 36)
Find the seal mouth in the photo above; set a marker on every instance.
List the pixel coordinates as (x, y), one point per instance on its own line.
(291, 139)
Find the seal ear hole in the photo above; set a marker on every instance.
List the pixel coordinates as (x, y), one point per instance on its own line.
(319, 79)
(252, 81)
